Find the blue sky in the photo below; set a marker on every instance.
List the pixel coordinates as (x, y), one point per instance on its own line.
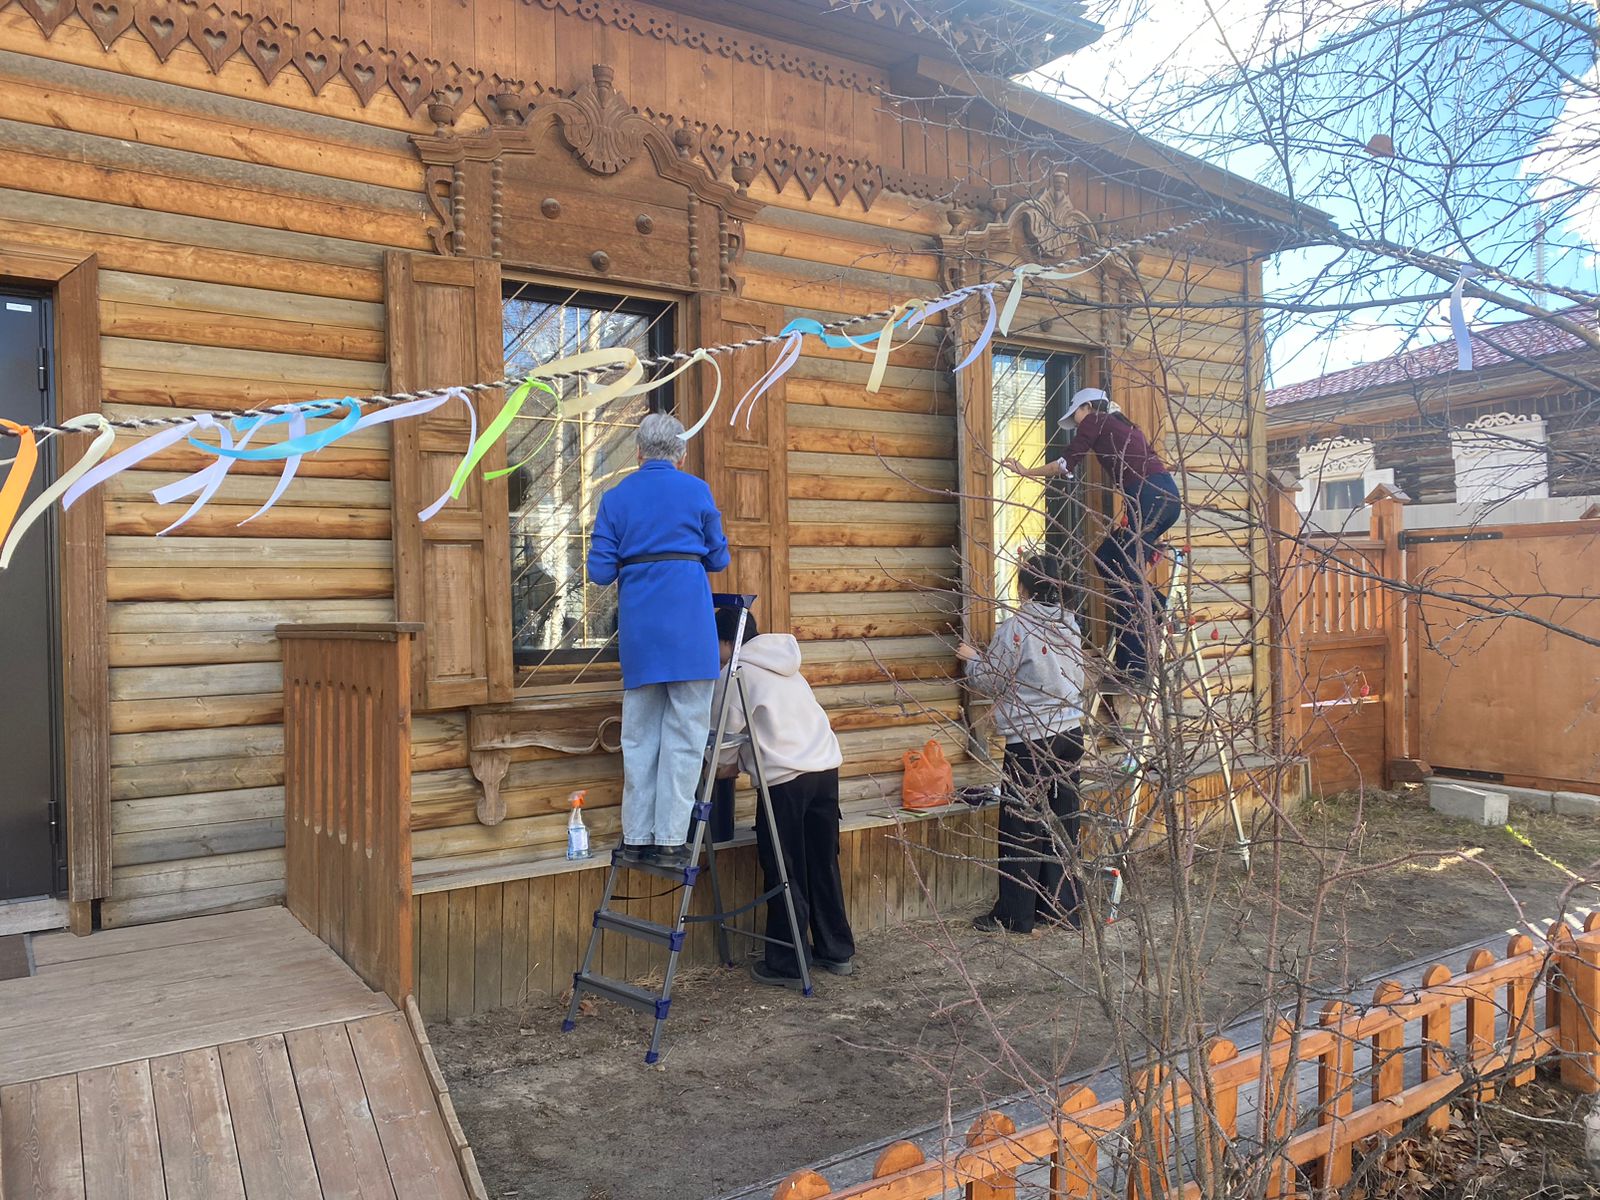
(1469, 99)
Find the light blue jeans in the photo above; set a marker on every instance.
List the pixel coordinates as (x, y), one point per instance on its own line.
(664, 730)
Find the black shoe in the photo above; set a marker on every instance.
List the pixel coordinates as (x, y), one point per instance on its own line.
(632, 856)
(673, 857)
(761, 973)
(844, 967)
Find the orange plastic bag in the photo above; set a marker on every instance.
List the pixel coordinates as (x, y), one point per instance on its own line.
(930, 781)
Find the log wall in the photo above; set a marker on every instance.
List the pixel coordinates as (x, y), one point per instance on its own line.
(240, 216)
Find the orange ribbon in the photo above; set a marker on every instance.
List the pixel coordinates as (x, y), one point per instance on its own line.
(15, 489)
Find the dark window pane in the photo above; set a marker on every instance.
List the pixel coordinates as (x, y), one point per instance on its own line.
(564, 466)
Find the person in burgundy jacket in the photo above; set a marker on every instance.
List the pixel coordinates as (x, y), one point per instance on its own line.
(1152, 507)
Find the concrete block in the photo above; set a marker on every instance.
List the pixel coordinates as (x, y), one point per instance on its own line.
(1577, 804)
(1466, 802)
(1533, 799)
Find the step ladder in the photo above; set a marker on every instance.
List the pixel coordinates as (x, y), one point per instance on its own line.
(587, 981)
(1176, 642)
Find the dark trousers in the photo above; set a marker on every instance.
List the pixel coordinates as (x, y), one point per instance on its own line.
(1133, 606)
(806, 810)
(1039, 832)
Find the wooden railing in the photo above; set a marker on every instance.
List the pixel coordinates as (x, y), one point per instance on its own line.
(1297, 1145)
(347, 793)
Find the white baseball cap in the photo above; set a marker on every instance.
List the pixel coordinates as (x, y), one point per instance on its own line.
(1080, 398)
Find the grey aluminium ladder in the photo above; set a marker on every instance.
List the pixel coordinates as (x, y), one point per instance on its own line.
(659, 1003)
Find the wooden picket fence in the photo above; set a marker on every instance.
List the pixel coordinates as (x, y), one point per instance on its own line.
(1310, 1146)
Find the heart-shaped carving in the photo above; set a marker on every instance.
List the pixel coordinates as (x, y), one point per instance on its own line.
(319, 60)
(363, 68)
(271, 47)
(108, 18)
(869, 186)
(48, 14)
(716, 151)
(219, 40)
(838, 182)
(412, 81)
(780, 167)
(164, 29)
(810, 177)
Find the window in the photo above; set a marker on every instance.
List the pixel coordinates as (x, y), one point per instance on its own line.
(1030, 393)
(557, 616)
(1339, 474)
(1341, 493)
(1501, 456)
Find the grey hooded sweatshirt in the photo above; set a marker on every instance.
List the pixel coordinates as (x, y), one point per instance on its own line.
(796, 738)
(1034, 672)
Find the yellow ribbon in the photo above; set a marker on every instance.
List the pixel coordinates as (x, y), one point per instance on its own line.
(699, 356)
(880, 357)
(1028, 271)
(617, 357)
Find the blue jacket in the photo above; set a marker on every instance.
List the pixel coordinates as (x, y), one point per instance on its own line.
(666, 631)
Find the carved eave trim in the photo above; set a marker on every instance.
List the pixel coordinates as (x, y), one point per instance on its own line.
(484, 146)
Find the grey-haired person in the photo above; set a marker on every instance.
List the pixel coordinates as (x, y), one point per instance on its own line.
(658, 534)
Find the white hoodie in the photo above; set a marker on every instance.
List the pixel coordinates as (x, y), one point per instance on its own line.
(795, 736)
(1034, 671)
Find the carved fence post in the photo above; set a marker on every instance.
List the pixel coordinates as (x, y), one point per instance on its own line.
(1386, 515)
(1521, 1041)
(992, 1128)
(1578, 1007)
(1388, 1048)
(1480, 1025)
(1436, 1042)
(1076, 1161)
(1336, 1072)
(1279, 1107)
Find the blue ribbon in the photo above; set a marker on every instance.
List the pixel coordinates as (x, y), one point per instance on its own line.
(293, 447)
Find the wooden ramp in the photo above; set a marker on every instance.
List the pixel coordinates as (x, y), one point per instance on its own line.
(221, 1058)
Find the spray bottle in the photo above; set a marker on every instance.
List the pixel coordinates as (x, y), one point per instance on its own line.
(577, 831)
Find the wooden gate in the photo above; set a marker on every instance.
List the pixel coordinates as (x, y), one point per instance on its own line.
(1340, 669)
(347, 793)
(1506, 697)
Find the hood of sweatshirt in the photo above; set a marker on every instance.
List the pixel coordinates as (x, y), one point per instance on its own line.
(775, 652)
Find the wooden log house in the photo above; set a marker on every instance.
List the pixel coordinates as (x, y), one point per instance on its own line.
(219, 207)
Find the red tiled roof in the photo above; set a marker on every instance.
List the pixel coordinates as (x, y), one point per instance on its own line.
(1492, 346)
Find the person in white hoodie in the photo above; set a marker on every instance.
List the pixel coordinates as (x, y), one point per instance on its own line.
(1034, 671)
(802, 757)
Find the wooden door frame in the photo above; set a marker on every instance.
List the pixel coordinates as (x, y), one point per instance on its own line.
(73, 280)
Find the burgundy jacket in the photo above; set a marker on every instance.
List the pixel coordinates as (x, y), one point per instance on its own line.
(1121, 447)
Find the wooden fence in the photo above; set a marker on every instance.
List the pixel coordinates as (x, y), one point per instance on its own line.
(1461, 667)
(1360, 1060)
(347, 793)
(1506, 699)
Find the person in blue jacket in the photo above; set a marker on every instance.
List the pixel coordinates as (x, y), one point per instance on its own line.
(658, 535)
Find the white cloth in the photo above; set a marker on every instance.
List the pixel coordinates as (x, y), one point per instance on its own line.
(796, 738)
(1034, 672)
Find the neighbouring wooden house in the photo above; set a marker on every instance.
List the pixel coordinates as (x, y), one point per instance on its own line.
(1519, 426)
(207, 207)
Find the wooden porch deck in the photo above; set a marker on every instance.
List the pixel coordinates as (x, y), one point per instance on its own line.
(219, 1058)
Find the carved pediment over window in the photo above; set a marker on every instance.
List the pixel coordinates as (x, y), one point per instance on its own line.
(1039, 224)
(582, 184)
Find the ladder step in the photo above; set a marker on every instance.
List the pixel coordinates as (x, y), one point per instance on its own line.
(650, 931)
(684, 875)
(623, 993)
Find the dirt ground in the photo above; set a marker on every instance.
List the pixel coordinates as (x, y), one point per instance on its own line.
(940, 1019)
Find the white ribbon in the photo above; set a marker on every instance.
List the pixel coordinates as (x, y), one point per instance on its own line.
(1028, 271)
(1458, 319)
(701, 355)
(96, 451)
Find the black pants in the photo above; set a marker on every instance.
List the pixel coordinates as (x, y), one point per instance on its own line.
(807, 813)
(1039, 832)
(1132, 604)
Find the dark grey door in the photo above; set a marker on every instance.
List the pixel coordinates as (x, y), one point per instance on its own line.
(28, 644)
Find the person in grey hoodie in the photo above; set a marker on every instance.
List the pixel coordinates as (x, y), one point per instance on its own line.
(802, 757)
(1034, 671)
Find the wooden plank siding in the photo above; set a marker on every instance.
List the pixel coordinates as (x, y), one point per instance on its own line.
(240, 225)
